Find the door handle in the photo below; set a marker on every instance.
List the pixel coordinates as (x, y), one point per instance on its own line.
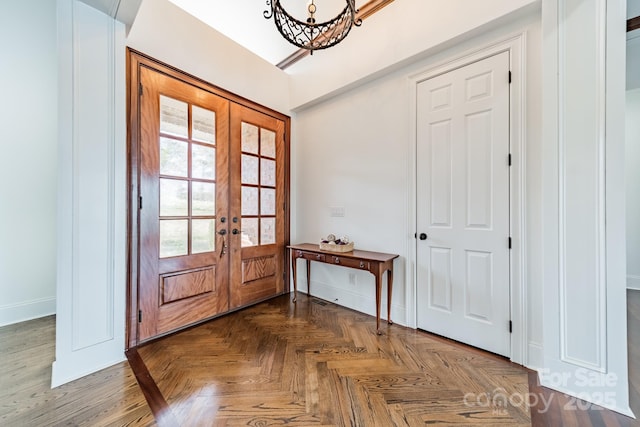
(235, 231)
(222, 232)
(423, 236)
(224, 246)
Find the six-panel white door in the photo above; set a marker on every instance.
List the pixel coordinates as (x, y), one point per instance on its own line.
(463, 204)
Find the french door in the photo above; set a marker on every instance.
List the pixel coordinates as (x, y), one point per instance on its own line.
(211, 208)
(258, 214)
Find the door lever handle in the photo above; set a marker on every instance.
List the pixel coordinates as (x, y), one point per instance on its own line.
(224, 246)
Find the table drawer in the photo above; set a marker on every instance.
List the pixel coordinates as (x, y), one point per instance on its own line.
(348, 262)
(313, 257)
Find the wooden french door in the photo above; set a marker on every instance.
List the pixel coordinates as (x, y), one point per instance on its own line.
(184, 187)
(211, 206)
(258, 215)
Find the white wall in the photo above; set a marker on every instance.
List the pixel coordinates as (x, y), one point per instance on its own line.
(418, 29)
(28, 84)
(633, 60)
(632, 177)
(92, 192)
(354, 151)
(167, 33)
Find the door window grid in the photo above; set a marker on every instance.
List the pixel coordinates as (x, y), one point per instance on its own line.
(258, 178)
(191, 230)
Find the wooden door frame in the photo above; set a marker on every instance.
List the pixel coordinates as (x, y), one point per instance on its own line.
(135, 60)
(521, 348)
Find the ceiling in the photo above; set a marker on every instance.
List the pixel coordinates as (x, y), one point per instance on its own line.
(243, 21)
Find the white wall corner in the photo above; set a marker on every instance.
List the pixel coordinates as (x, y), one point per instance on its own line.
(91, 229)
(585, 341)
(535, 356)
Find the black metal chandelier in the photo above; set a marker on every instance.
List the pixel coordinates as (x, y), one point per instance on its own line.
(311, 35)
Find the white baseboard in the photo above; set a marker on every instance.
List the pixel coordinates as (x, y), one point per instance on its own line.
(633, 282)
(364, 303)
(535, 357)
(27, 310)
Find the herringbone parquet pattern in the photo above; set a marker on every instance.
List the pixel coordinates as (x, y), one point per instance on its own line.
(318, 364)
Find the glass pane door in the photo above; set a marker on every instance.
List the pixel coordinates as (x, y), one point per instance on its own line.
(257, 142)
(184, 185)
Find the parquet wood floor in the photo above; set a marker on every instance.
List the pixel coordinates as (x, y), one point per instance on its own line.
(310, 364)
(318, 364)
(110, 397)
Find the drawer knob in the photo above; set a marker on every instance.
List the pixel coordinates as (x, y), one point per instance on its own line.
(361, 264)
(337, 260)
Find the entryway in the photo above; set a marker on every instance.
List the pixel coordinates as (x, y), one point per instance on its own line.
(209, 216)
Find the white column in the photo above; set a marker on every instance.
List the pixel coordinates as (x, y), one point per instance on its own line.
(91, 226)
(585, 344)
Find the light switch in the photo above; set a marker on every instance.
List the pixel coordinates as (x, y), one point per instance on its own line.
(337, 211)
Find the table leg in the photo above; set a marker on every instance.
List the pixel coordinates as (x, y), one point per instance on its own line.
(389, 291)
(295, 276)
(308, 277)
(378, 299)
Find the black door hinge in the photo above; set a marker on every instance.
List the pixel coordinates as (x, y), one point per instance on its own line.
(509, 159)
(509, 242)
(509, 77)
(140, 202)
(510, 326)
(139, 316)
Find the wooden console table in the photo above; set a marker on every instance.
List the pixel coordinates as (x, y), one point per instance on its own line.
(374, 262)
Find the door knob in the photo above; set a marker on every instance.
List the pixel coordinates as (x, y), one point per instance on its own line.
(423, 236)
(235, 231)
(222, 232)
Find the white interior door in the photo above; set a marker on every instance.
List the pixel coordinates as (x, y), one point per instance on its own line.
(463, 204)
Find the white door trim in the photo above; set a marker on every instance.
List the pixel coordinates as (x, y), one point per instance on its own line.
(516, 46)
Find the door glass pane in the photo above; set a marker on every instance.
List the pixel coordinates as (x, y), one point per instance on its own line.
(249, 201)
(249, 138)
(173, 116)
(203, 162)
(204, 125)
(267, 143)
(173, 197)
(202, 236)
(173, 157)
(174, 235)
(249, 174)
(267, 201)
(268, 172)
(203, 199)
(249, 232)
(267, 231)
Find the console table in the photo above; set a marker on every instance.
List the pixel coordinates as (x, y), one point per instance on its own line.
(374, 262)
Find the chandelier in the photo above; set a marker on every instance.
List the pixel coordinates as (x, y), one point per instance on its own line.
(311, 35)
